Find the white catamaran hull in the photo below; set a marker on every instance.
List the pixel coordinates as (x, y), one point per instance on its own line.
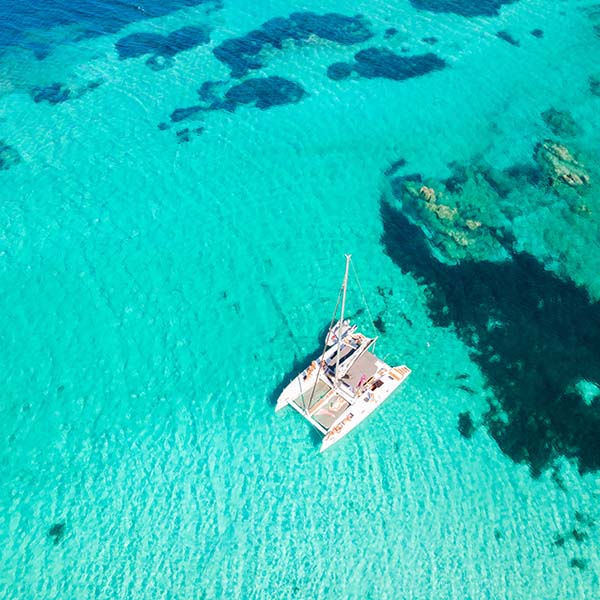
(340, 389)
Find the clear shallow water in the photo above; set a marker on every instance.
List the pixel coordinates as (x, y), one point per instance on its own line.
(157, 293)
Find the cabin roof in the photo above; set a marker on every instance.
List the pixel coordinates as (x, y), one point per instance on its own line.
(366, 364)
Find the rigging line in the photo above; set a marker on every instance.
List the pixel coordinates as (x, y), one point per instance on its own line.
(363, 296)
(324, 349)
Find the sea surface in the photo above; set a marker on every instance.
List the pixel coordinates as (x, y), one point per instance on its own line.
(179, 182)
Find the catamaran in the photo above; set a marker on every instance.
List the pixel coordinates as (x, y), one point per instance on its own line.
(346, 383)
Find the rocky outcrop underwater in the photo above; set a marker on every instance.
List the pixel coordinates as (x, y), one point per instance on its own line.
(471, 213)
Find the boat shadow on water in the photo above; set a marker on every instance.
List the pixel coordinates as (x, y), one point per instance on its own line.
(534, 335)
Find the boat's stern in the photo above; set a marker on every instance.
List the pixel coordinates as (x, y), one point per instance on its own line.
(298, 387)
(380, 388)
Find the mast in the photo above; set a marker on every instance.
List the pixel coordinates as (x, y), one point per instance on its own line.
(344, 289)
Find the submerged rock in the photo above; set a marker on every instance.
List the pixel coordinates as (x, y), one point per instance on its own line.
(55, 93)
(180, 114)
(57, 532)
(559, 165)
(161, 47)
(9, 157)
(507, 37)
(244, 54)
(263, 93)
(259, 92)
(394, 166)
(464, 8)
(339, 70)
(449, 214)
(561, 122)
(594, 85)
(466, 426)
(383, 63)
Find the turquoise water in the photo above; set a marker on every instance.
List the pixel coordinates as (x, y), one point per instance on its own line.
(157, 293)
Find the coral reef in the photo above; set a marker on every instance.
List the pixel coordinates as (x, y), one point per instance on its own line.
(450, 215)
(559, 165)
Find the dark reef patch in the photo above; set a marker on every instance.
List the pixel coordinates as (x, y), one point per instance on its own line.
(393, 168)
(507, 37)
(584, 519)
(138, 44)
(578, 563)
(162, 48)
(579, 536)
(465, 8)
(186, 135)
(381, 62)
(57, 532)
(55, 93)
(260, 92)
(533, 335)
(339, 70)
(561, 122)
(594, 82)
(390, 32)
(525, 173)
(243, 54)
(537, 33)
(208, 90)
(9, 157)
(180, 114)
(466, 427)
(263, 93)
(379, 324)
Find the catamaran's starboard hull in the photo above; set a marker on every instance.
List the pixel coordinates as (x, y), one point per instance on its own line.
(364, 406)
